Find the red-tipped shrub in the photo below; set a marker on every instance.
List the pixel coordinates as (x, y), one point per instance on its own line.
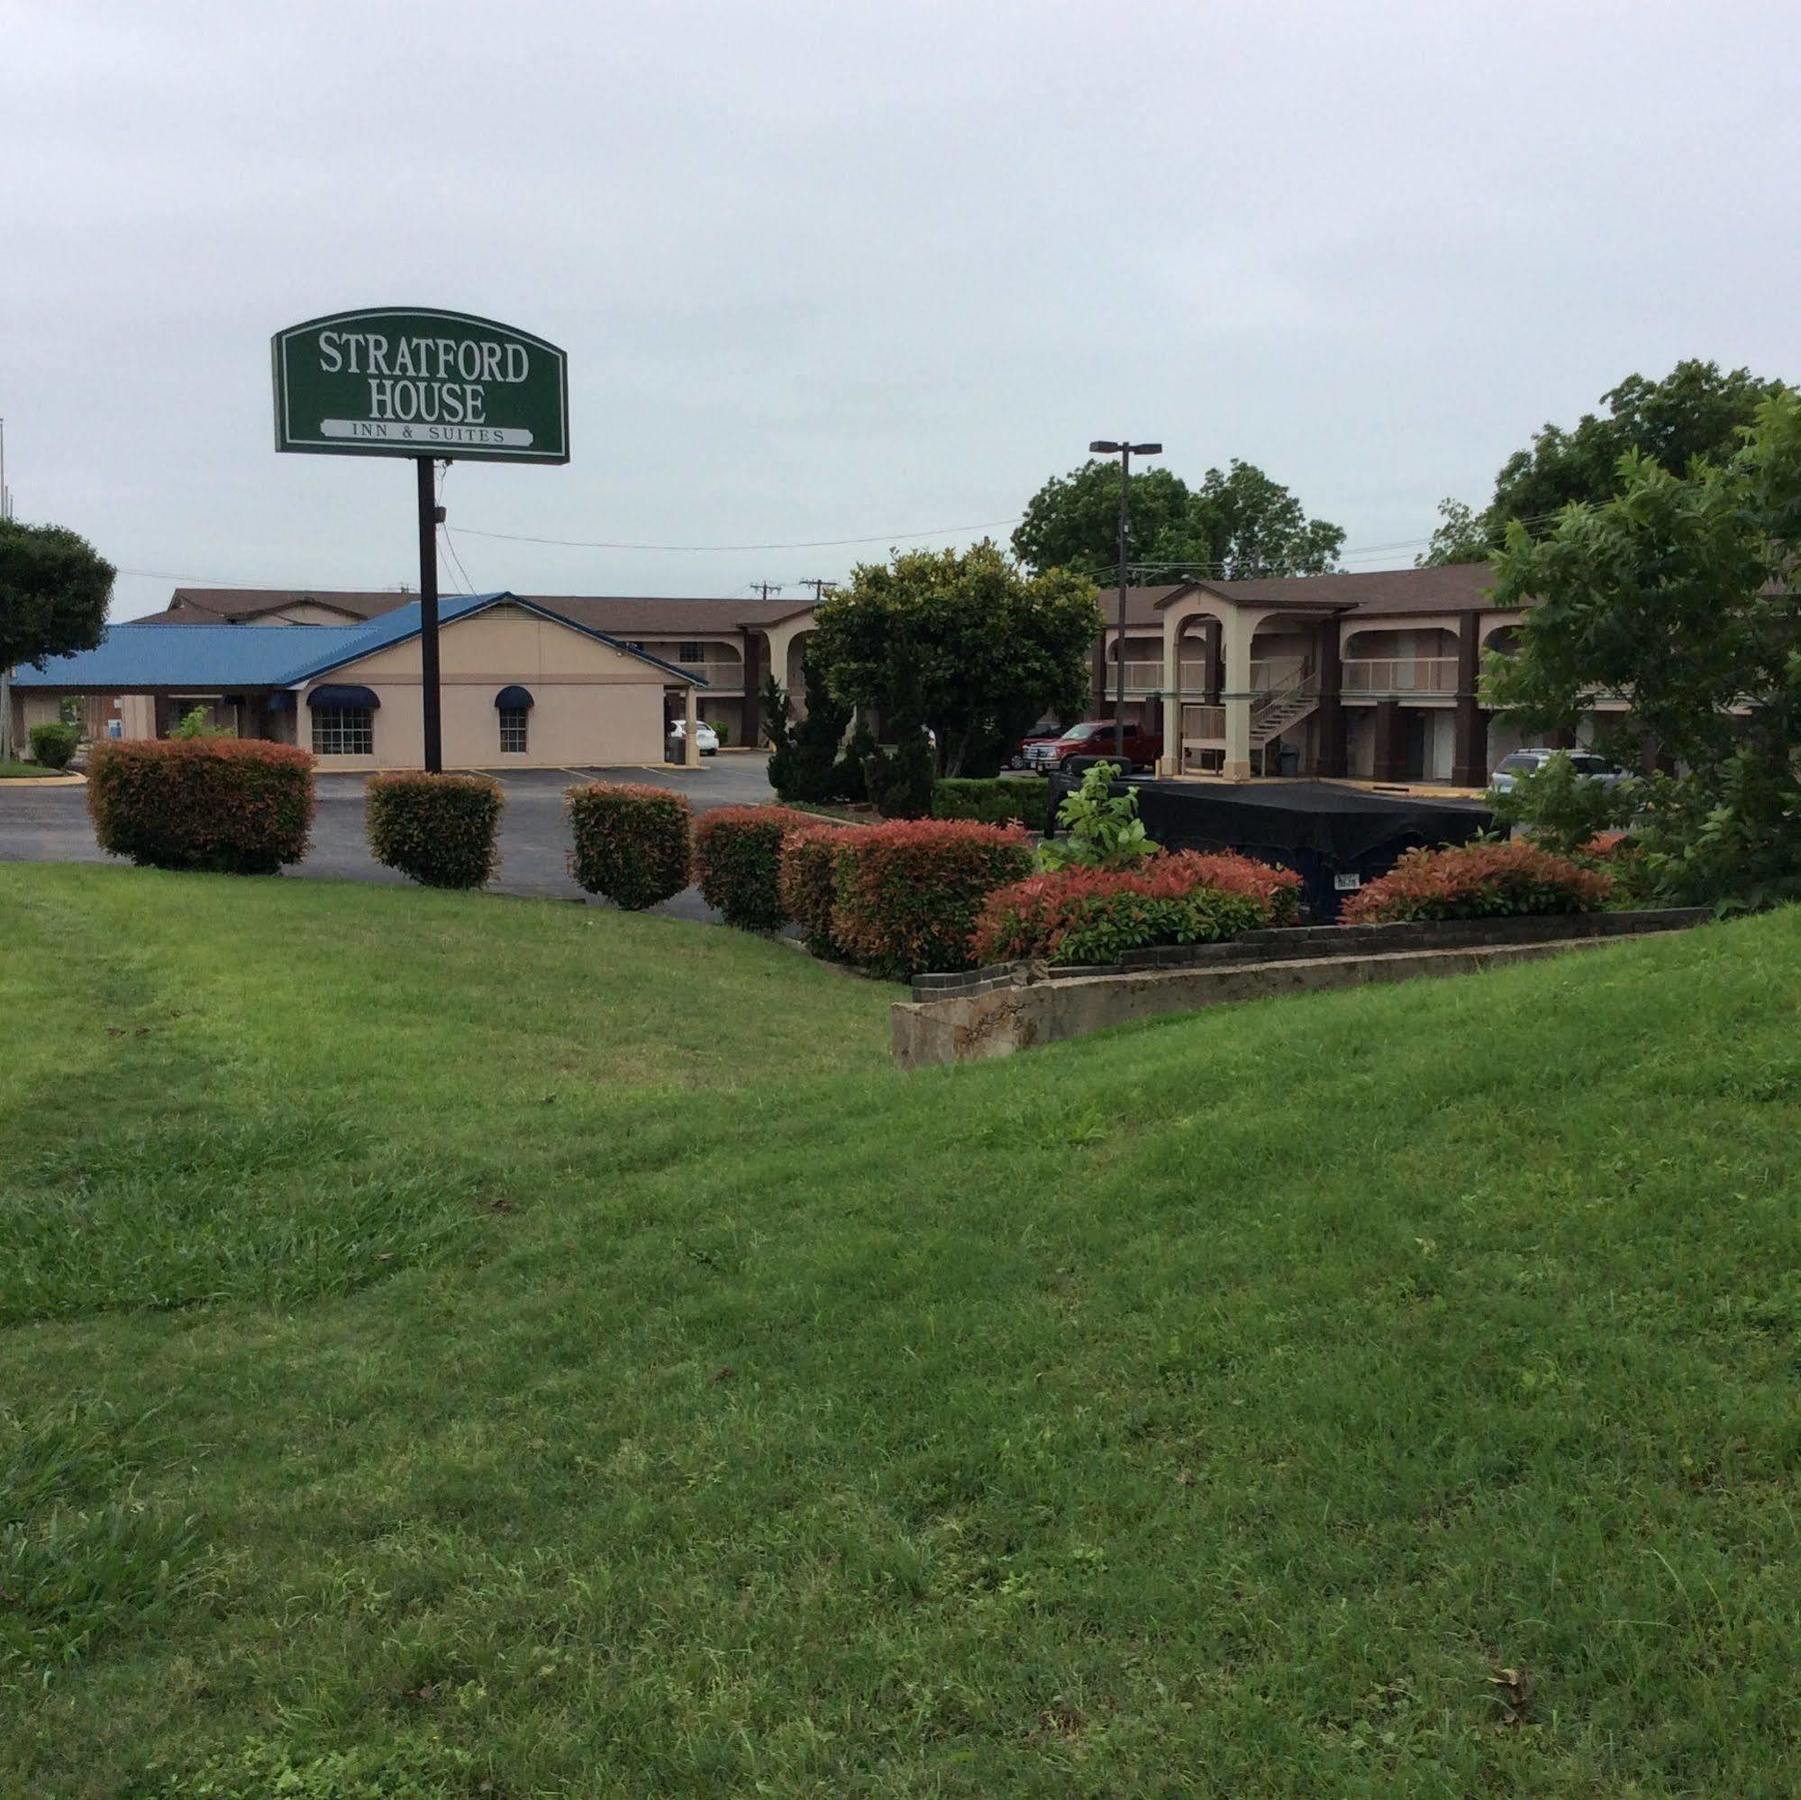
(908, 893)
(631, 841)
(1082, 915)
(809, 880)
(233, 805)
(439, 829)
(1478, 881)
(738, 862)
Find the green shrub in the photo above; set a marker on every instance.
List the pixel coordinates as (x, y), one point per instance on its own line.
(899, 780)
(54, 745)
(194, 724)
(234, 805)
(441, 830)
(1103, 828)
(808, 881)
(1563, 810)
(908, 893)
(738, 862)
(993, 802)
(805, 761)
(1478, 881)
(631, 842)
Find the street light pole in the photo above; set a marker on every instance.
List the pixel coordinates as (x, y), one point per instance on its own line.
(1125, 450)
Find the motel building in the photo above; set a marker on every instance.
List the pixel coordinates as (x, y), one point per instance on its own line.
(527, 680)
(1367, 676)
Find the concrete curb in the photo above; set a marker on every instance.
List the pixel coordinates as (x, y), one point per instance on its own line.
(73, 779)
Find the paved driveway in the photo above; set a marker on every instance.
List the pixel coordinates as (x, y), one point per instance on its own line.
(51, 825)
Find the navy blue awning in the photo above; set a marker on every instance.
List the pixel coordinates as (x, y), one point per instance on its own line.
(350, 699)
(513, 699)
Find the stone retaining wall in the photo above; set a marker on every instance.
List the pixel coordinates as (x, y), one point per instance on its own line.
(993, 1012)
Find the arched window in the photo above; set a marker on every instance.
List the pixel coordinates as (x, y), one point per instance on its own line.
(514, 705)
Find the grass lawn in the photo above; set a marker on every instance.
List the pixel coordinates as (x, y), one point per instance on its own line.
(10, 770)
(456, 1346)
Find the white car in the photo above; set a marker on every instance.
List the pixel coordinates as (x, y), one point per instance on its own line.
(1528, 762)
(704, 735)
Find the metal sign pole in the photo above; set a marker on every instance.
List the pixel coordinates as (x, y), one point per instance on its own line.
(428, 617)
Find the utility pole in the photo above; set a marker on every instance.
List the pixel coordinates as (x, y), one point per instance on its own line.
(431, 515)
(1125, 449)
(820, 588)
(763, 589)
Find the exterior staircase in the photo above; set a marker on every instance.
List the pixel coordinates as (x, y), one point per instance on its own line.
(1272, 713)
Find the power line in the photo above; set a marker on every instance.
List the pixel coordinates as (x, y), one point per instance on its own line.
(468, 585)
(880, 537)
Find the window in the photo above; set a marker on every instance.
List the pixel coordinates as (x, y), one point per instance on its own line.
(512, 730)
(343, 731)
(691, 653)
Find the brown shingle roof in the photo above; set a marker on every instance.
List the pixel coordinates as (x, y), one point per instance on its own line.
(1454, 587)
(622, 615)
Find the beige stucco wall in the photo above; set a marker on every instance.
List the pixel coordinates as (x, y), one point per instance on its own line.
(591, 703)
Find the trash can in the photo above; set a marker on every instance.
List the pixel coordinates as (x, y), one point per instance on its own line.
(1288, 760)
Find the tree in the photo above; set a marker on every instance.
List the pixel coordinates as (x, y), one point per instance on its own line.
(1695, 411)
(1072, 522)
(1238, 523)
(1678, 592)
(964, 643)
(54, 590)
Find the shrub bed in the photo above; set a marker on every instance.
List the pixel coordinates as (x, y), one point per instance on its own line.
(908, 893)
(233, 805)
(631, 841)
(54, 744)
(808, 881)
(994, 802)
(1081, 915)
(441, 830)
(1478, 881)
(738, 862)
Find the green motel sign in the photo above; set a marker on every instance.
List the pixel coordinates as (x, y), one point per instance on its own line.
(413, 381)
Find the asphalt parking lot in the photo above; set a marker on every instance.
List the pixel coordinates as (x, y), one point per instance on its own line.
(45, 824)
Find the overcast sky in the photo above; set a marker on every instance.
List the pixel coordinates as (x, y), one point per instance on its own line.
(853, 271)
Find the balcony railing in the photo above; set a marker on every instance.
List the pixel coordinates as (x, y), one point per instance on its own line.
(1396, 675)
(1147, 677)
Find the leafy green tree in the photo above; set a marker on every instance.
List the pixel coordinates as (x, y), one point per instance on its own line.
(1238, 523)
(1072, 522)
(54, 590)
(964, 643)
(1679, 593)
(1694, 411)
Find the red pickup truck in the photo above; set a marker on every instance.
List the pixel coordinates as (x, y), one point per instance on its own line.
(1092, 741)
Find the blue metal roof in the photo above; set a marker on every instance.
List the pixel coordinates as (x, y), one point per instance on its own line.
(222, 658)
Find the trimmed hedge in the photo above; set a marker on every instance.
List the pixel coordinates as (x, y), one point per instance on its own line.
(441, 830)
(1083, 915)
(54, 745)
(631, 841)
(908, 893)
(808, 881)
(994, 802)
(1478, 881)
(234, 805)
(738, 862)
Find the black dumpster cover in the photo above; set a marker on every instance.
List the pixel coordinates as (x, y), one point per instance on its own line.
(1343, 824)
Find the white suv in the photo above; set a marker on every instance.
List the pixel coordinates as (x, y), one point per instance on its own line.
(1529, 762)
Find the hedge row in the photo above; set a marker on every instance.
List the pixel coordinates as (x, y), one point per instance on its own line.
(738, 862)
(1085, 915)
(996, 802)
(233, 805)
(1478, 881)
(441, 830)
(907, 894)
(631, 841)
